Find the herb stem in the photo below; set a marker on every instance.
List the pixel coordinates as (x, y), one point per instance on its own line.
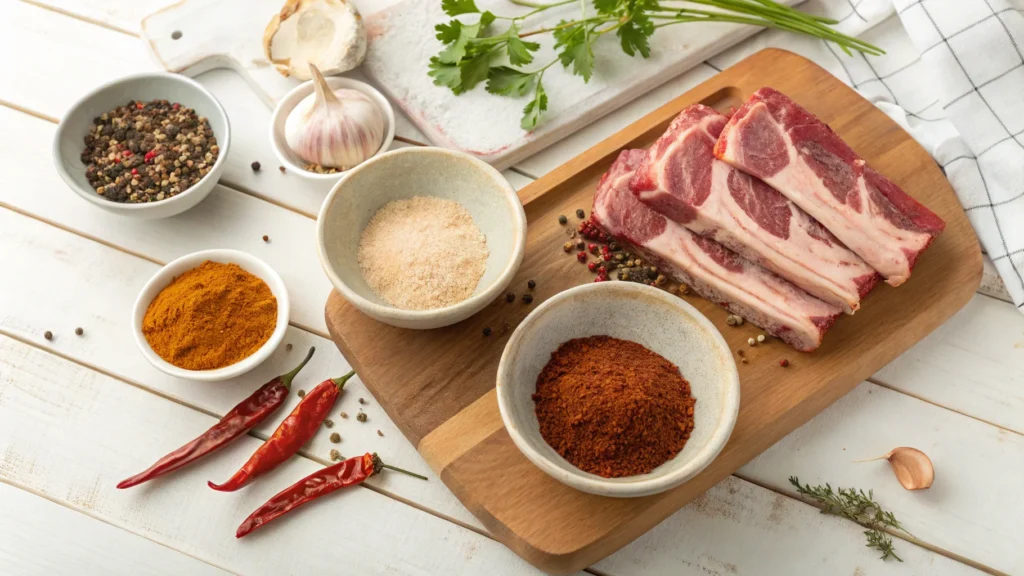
(598, 19)
(539, 5)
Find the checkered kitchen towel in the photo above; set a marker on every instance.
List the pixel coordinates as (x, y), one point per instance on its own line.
(953, 76)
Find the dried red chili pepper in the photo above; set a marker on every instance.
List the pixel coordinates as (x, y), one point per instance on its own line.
(242, 418)
(292, 434)
(345, 473)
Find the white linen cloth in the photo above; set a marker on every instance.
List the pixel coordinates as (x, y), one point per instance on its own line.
(953, 77)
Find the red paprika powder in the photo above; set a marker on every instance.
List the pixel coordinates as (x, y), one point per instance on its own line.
(612, 407)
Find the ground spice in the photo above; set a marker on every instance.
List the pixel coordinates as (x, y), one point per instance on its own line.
(612, 407)
(422, 253)
(148, 151)
(210, 317)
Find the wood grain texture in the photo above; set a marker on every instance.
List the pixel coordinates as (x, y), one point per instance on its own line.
(444, 371)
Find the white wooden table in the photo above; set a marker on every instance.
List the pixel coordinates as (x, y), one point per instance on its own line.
(78, 414)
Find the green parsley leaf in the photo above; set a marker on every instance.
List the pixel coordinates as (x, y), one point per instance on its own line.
(485, 19)
(446, 74)
(533, 110)
(576, 50)
(450, 32)
(456, 7)
(633, 37)
(474, 71)
(606, 7)
(519, 52)
(508, 81)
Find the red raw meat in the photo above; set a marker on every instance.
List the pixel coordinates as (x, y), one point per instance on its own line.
(710, 269)
(775, 139)
(681, 178)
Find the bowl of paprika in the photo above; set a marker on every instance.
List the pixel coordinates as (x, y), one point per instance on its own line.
(211, 315)
(618, 389)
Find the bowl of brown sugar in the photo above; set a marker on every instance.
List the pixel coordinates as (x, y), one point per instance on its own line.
(618, 389)
(211, 315)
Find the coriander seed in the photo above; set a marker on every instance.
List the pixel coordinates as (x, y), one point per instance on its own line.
(361, 417)
(288, 347)
(301, 393)
(335, 437)
(328, 423)
(335, 455)
(344, 414)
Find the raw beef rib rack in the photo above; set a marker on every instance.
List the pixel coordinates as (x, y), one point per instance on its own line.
(773, 138)
(710, 269)
(681, 178)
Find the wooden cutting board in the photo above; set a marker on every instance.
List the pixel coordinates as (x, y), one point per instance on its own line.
(438, 385)
(191, 37)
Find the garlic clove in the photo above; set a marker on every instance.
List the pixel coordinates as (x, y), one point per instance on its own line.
(327, 33)
(912, 467)
(334, 128)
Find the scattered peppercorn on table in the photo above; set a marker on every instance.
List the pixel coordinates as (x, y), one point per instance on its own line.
(80, 410)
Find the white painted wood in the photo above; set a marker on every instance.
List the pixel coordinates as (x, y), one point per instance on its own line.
(124, 16)
(71, 433)
(972, 509)
(740, 528)
(991, 283)
(87, 284)
(41, 538)
(973, 364)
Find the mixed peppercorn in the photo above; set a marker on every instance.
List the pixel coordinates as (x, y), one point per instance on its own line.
(148, 151)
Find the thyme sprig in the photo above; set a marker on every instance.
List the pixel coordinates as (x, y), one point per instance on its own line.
(502, 57)
(855, 505)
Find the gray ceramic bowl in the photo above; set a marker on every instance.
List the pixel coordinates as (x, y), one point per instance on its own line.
(651, 317)
(406, 173)
(68, 142)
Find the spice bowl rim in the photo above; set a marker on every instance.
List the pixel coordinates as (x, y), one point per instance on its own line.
(629, 486)
(167, 207)
(163, 277)
(290, 100)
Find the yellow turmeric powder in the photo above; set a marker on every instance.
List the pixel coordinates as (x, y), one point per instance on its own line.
(210, 317)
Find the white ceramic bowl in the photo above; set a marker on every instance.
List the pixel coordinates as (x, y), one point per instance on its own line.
(651, 317)
(292, 98)
(69, 141)
(168, 273)
(406, 173)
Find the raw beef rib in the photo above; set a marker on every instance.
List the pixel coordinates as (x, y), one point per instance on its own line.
(775, 139)
(712, 270)
(681, 178)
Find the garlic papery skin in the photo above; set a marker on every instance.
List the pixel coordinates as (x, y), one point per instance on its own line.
(912, 467)
(334, 129)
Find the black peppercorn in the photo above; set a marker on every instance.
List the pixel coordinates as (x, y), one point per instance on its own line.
(255, 166)
(581, 214)
(510, 297)
(527, 298)
(562, 219)
(79, 331)
(531, 284)
(48, 335)
(581, 245)
(487, 331)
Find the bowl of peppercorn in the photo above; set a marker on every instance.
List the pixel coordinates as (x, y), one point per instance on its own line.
(146, 146)
(618, 389)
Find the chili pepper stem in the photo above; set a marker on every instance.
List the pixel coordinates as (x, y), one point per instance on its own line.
(287, 378)
(340, 382)
(378, 463)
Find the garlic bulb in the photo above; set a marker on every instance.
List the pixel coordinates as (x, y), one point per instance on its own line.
(334, 129)
(328, 33)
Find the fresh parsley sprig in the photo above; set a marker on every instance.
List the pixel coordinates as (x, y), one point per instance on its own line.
(857, 506)
(475, 53)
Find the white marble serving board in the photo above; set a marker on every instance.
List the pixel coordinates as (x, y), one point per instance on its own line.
(228, 33)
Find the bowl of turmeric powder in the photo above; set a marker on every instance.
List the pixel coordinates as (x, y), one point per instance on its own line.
(211, 315)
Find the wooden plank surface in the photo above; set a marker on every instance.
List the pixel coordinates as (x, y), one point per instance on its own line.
(558, 528)
(30, 525)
